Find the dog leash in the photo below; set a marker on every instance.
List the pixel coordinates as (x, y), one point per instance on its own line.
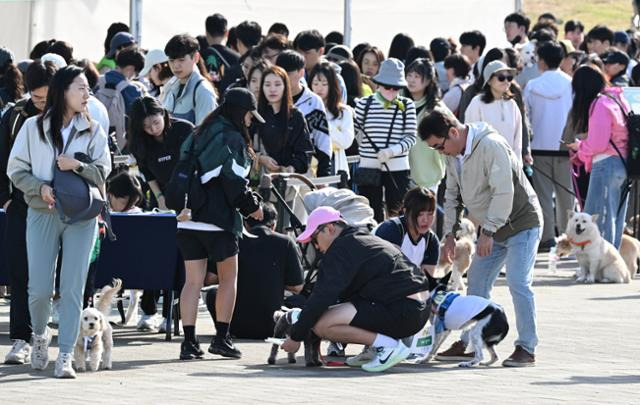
(554, 182)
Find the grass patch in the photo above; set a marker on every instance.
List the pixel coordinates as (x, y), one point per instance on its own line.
(616, 14)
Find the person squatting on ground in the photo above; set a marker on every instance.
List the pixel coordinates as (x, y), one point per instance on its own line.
(268, 264)
(382, 293)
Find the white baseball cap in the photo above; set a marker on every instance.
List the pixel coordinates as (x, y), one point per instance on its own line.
(152, 58)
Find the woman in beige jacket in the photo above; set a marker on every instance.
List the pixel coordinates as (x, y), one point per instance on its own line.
(57, 137)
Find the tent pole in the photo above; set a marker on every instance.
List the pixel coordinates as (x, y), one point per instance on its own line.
(347, 22)
(135, 19)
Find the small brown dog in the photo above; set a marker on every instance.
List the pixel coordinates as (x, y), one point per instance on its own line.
(462, 255)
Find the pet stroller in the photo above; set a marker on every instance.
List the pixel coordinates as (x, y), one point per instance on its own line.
(354, 208)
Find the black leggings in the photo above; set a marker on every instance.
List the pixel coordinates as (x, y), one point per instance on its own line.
(18, 270)
(393, 193)
(149, 300)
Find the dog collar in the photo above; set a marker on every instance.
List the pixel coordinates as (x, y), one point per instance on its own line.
(88, 341)
(580, 244)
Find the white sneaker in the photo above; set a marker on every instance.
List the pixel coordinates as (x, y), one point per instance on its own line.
(40, 352)
(148, 323)
(367, 354)
(162, 324)
(387, 357)
(335, 350)
(64, 367)
(19, 354)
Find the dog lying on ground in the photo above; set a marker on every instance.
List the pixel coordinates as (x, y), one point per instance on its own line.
(96, 335)
(462, 256)
(284, 318)
(485, 320)
(599, 260)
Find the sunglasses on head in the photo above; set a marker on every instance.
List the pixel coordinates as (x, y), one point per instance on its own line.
(502, 78)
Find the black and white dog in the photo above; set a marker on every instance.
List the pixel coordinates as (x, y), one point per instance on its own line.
(283, 319)
(485, 320)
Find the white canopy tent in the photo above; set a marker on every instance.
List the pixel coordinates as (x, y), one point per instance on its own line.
(84, 23)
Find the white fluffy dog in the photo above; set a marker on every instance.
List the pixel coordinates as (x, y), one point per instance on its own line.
(96, 335)
(527, 54)
(599, 260)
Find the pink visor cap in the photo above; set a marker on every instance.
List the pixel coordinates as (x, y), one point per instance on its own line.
(319, 216)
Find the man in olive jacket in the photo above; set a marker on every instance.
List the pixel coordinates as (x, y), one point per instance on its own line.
(485, 177)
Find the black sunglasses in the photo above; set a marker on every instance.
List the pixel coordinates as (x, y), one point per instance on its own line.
(391, 88)
(502, 78)
(314, 235)
(439, 146)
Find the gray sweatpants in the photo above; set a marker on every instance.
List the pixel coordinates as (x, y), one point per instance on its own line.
(45, 232)
(559, 169)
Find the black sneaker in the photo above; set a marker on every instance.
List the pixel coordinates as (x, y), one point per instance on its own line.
(190, 350)
(224, 347)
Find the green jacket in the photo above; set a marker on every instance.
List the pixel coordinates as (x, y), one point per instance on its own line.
(427, 166)
(224, 164)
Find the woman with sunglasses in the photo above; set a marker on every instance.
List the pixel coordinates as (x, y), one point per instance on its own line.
(387, 130)
(495, 105)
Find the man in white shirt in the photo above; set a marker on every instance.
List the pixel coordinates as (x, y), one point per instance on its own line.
(548, 100)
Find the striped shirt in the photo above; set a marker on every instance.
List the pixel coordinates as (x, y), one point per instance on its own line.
(378, 121)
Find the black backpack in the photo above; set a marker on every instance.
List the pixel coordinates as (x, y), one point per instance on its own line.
(181, 190)
(216, 63)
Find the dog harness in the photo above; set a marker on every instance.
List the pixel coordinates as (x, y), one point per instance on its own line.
(581, 245)
(89, 341)
(442, 310)
(455, 311)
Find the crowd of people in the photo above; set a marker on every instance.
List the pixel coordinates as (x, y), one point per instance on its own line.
(514, 138)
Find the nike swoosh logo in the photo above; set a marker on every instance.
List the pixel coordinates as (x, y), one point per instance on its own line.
(385, 360)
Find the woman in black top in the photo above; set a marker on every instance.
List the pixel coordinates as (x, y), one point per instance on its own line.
(284, 135)
(155, 140)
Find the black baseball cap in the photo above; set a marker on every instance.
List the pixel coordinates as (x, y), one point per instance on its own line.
(243, 98)
(616, 57)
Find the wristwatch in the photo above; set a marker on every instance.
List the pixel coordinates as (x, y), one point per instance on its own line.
(488, 233)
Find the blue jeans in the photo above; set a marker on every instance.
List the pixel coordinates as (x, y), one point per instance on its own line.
(518, 253)
(603, 198)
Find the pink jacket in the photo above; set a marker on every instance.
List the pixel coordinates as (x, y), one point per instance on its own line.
(606, 122)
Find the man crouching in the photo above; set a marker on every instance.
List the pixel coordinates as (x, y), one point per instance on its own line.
(382, 293)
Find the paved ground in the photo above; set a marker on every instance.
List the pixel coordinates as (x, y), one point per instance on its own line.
(588, 354)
